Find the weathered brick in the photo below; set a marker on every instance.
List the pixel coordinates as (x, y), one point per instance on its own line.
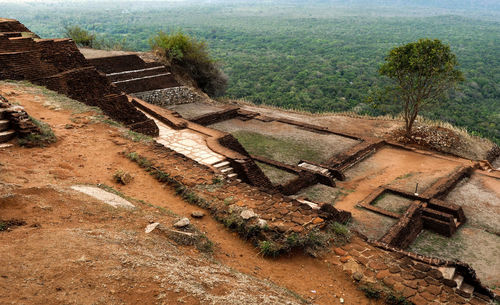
(407, 275)
(418, 300)
(340, 251)
(382, 274)
(411, 284)
(389, 281)
(433, 289)
(432, 281)
(408, 292)
(345, 258)
(434, 273)
(428, 296)
(377, 265)
(422, 267)
(363, 260)
(394, 269)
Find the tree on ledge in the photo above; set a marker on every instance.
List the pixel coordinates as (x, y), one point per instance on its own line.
(80, 36)
(193, 57)
(422, 72)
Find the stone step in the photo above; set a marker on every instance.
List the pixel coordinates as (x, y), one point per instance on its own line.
(5, 145)
(134, 74)
(227, 170)
(4, 125)
(233, 175)
(221, 164)
(141, 78)
(467, 289)
(3, 111)
(313, 205)
(448, 272)
(458, 279)
(6, 135)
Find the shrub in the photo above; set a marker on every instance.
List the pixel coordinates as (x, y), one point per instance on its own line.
(192, 56)
(392, 299)
(80, 36)
(371, 292)
(268, 249)
(341, 233)
(122, 177)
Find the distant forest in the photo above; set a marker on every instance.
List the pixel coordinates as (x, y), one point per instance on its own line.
(312, 55)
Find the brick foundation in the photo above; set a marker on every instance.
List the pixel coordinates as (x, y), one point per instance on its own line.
(59, 65)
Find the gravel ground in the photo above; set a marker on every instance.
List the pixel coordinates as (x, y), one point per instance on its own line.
(474, 246)
(393, 203)
(371, 224)
(480, 201)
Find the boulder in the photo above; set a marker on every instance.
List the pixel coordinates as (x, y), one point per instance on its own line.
(184, 222)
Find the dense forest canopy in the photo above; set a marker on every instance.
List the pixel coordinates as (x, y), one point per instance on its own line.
(312, 55)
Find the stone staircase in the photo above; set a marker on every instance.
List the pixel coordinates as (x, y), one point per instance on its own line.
(450, 274)
(225, 168)
(5, 132)
(131, 74)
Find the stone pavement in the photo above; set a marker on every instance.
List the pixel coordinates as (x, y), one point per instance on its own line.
(187, 142)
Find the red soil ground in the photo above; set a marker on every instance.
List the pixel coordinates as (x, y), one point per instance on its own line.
(36, 267)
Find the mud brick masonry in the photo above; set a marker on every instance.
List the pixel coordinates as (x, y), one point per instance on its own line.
(59, 65)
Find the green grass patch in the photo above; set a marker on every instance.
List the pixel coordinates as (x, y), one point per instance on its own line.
(371, 292)
(276, 175)
(56, 100)
(269, 249)
(283, 150)
(42, 139)
(137, 136)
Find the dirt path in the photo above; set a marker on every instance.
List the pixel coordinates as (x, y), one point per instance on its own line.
(90, 153)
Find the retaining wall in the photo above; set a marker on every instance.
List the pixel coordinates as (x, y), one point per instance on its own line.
(59, 65)
(170, 96)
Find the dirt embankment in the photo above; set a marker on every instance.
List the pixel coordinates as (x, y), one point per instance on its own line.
(74, 249)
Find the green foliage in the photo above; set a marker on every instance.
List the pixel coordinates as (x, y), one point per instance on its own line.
(269, 249)
(341, 233)
(192, 55)
(422, 72)
(393, 299)
(80, 36)
(42, 139)
(137, 136)
(316, 56)
(371, 292)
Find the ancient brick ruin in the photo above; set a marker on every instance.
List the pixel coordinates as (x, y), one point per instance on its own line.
(106, 81)
(58, 65)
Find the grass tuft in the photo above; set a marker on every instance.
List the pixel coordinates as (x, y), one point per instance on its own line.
(269, 249)
(42, 139)
(122, 177)
(371, 292)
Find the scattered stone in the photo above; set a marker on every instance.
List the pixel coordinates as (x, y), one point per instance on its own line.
(261, 223)
(151, 227)
(317, 220)
(184, 222)
(248, 214)
(341, 301)
(357, 276)
(102, 195)
(197, 214)
(340, 252)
